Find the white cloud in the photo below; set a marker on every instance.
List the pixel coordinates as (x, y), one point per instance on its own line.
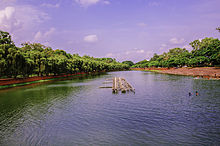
(176, 41)
(134, 51)
(39, 36)
(106, 2)
(109, 55)
(6, 21)
(50, 5)
(21, 21)
(20, 18)
(6, 13)
(140, 51)
(141, 24)
(132, 54)
(163, 45)
(45, 37)
(86, 3)
(91, 38)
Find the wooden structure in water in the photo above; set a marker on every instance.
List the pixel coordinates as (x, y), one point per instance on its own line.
(118, 84)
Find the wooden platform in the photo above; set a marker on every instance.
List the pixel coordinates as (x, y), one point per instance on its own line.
(118, 84)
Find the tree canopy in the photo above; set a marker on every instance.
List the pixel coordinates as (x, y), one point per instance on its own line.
(205, 53)
(35, 58)
(129, 63)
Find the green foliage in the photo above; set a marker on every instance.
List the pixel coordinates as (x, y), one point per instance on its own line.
(205, 53)
(153, 64)
(209, 48)
(141, 64)
(35, 58)
(129, 63)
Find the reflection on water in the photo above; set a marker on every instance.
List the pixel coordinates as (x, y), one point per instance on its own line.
(77, 112)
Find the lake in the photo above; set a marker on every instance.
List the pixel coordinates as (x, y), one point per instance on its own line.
(78, 112)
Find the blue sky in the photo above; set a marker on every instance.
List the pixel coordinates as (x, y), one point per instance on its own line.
(122, 29)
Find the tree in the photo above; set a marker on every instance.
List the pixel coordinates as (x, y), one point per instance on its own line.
(6, 44)
(209, 48)
(153, 64)
(129, 63)
(155, 57)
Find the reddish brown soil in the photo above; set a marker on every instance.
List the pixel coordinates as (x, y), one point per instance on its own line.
(203, 72)
(10, 81)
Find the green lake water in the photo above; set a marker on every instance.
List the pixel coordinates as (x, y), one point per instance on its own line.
(78, 112)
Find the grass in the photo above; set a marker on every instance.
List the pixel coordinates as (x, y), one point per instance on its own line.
(153, 70)
(39, 81)
(21, 84)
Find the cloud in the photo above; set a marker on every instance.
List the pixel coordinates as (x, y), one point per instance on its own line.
(90, 38)
(6, 13)
(21, 21)
(106, 2)
(86, 3)
(176, 41)
(132, 54)
(45, 37)
(141, 24)
(140, 51)
(163, 45)
(133, 51)
(20, 18)
(39, 36)
(50, 5)
(109, 55)
(6, 18)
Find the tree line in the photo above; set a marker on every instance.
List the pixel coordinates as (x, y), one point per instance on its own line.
(37, 59)
(205, 52)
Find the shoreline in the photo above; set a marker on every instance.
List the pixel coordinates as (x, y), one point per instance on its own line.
(198, 72)
(9, 83)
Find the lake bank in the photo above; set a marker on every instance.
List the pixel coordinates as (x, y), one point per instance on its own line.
(11, 82)
(200, 72)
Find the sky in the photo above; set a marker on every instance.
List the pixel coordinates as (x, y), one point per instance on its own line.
(122, 29)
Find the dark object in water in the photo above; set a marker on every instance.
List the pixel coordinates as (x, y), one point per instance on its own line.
(190, 93)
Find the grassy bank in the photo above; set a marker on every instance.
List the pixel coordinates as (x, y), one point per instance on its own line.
(32, 80)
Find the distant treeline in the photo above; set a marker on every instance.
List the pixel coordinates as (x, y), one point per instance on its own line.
(35, 58)
(205, 52)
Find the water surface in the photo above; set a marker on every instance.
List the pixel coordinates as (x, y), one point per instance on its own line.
(77, 112)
